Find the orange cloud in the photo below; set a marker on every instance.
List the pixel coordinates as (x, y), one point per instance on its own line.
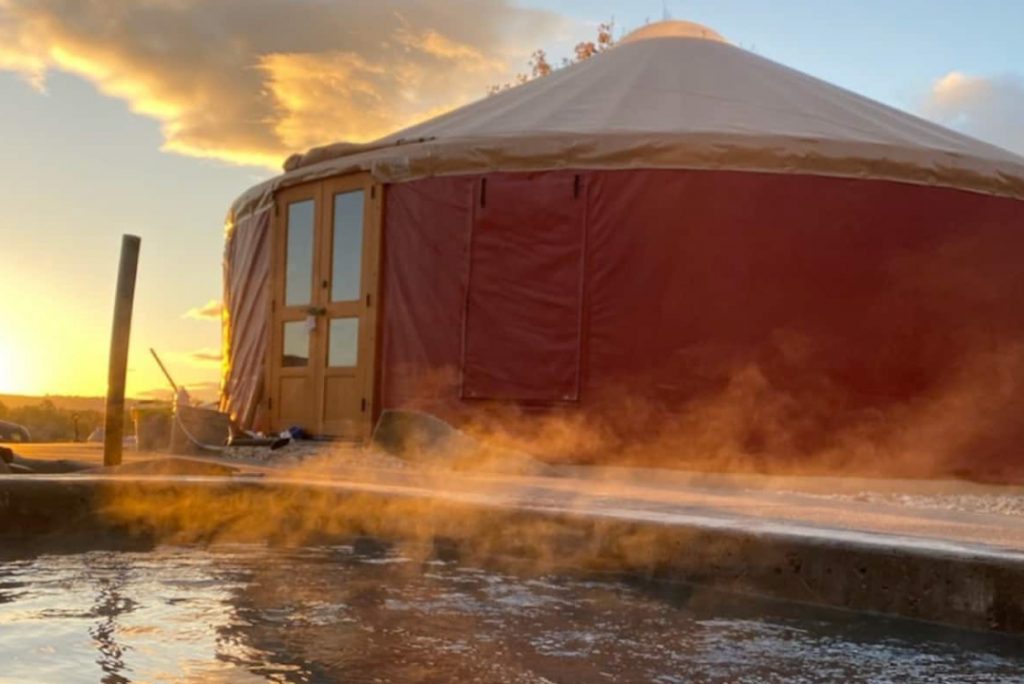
(187, 362)
(209, 311)
(206, 355)
(990, 108)
(251, 81)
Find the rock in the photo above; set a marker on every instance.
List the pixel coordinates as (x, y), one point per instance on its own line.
(425, 439)
(8, 463)
(45, 466)
(414, 433)
(170, 466)
(370, 547)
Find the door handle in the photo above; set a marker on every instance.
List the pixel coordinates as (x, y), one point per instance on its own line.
(316, 310)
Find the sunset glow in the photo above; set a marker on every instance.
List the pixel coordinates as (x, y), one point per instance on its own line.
(109, 128)
(7, 368)
(511, 340)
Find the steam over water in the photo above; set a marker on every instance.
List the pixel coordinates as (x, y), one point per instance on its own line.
(364, 614)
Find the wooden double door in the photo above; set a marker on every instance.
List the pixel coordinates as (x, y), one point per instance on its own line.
(324, 307)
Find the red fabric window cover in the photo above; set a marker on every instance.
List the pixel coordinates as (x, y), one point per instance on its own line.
(523, 323)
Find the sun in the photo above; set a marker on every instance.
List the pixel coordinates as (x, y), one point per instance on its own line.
(7, 377)
(6, 374)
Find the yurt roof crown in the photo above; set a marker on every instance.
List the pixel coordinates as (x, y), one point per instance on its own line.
(674, 95)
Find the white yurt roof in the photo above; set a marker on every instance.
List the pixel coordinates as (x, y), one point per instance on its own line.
(677, 95)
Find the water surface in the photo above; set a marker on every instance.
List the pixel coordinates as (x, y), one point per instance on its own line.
(252, 614)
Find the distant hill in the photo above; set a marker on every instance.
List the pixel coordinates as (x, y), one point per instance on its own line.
(203, 391)
(13, 401)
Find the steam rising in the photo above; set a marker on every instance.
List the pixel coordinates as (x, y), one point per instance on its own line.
(774, 414)
(482, 525)
(968, 424)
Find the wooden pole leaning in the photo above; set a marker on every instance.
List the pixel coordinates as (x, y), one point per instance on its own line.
(124, 299)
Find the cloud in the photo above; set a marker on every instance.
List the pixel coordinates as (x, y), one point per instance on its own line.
(989, 108)
(251, 81)
(207, 312)
(202, 390)
(157, 394)
(206, 356)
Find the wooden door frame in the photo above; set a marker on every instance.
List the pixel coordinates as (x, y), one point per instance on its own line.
(322, 192)
(279, 314)
(369, 300)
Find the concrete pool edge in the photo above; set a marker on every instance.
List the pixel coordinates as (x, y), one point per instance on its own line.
(969, 586)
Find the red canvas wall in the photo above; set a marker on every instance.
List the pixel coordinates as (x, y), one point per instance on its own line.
(523, 320)
(792, 312)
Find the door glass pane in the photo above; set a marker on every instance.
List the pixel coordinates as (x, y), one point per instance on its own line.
(296, 345)
(299, 254)
(346, 272)
(343, 342)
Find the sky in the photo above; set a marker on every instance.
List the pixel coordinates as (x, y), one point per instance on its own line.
(150, 116)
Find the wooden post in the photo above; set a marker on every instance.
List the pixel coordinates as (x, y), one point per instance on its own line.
(124, 300)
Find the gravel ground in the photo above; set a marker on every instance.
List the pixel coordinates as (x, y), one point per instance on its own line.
(324, 458)
(317, 456)
(993, 504)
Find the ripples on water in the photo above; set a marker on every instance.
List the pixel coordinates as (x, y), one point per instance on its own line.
(249, 614)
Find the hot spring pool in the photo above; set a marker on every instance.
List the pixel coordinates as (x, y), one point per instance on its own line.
(249, 613)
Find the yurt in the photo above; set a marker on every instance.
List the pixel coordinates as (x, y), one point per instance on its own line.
(674, 234)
